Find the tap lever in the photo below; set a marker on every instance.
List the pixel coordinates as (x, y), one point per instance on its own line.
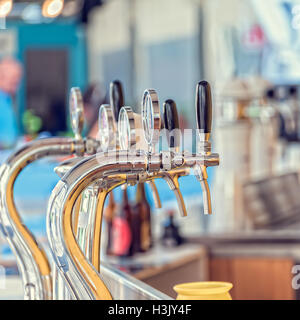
(171, 121)
(204, 108)
(76, 112)
(204, 119)
(116, 96)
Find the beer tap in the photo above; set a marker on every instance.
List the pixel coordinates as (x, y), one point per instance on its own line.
(131, 137)
(32, 261)
(152, 124)
(204, 118)
(171, 122)
(79, 273)
(89, 230)
(111, 126)
(129, 128)
(89, 212)
(116, 93)
(108, 134)
(109, 116)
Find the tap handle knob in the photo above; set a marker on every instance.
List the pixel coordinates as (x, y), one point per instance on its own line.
(116, 98)
(151, 117)
(171, 122)
(76, 112)
(126, 128)
(106, 128)
(203, 107)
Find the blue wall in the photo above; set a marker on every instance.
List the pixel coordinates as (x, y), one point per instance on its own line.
(61, 34)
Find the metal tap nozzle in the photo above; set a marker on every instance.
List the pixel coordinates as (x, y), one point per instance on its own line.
(155, 194)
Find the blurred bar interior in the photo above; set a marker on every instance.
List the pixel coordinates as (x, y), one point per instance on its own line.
(248, 51)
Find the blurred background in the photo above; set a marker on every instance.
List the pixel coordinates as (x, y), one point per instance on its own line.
(249, 52)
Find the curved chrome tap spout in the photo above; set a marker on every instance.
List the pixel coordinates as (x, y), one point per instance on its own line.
(32, 261)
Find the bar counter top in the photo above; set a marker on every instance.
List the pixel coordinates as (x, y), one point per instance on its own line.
(265, 243)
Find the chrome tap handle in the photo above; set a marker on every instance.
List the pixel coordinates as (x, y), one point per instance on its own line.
(126, 128)
(106, 128)
(116, 96)
(76, 112)
(151, 118)
(171, 121)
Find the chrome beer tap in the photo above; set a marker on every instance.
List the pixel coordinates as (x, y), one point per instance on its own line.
(83, 279)
(203, 104)
(32, 261)
(130, 127)
(116, 93)
(111, 129)
(88, 211)
(108, 135)
(171, 122)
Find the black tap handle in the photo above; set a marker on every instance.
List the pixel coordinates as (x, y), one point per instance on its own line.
(171, 122)
(293, 91)
(270, 93)
(203, 106)
(116, 98)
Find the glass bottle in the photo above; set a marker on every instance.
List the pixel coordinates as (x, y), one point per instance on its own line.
(142, 213)
(109, 214)
(122, 244)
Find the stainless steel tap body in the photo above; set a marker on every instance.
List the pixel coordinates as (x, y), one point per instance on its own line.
(36, 276)
(82, 278)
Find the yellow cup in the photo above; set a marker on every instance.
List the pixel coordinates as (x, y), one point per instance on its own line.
(210, 290)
